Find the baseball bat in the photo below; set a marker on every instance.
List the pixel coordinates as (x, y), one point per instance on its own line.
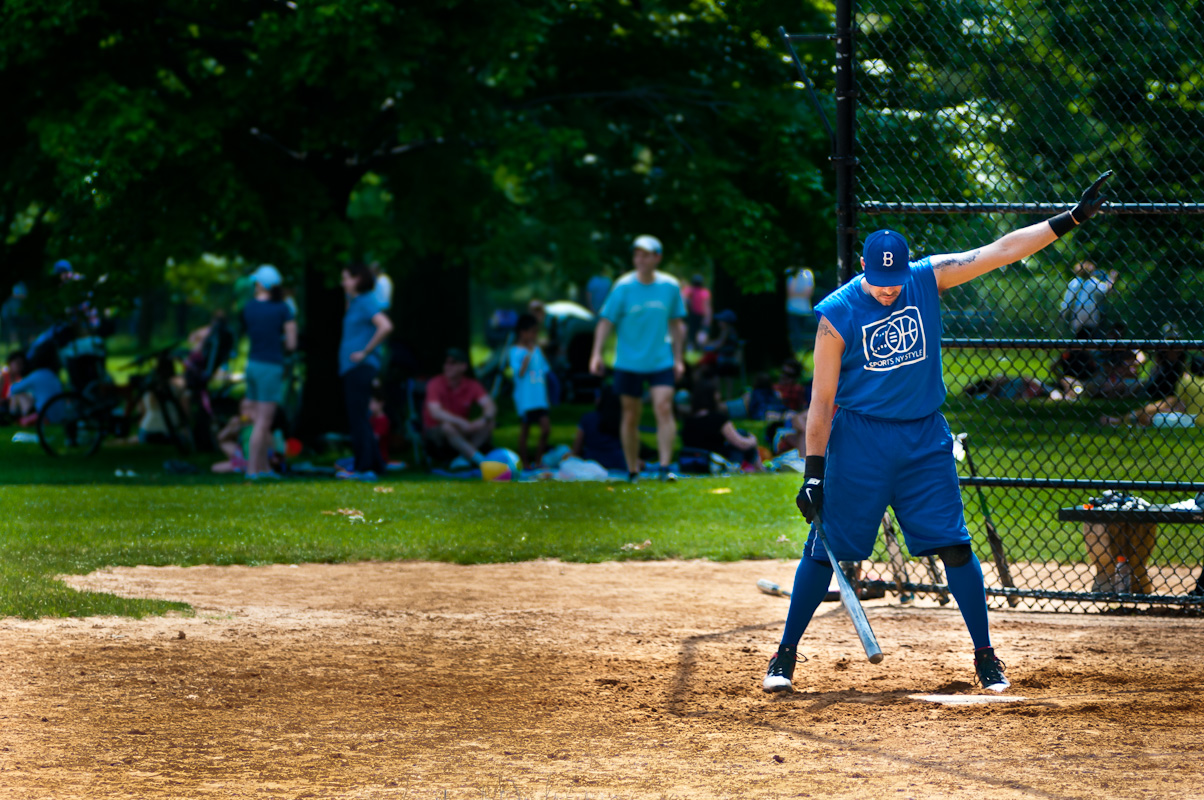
(848, 596)
(997, 551)
(771, 588)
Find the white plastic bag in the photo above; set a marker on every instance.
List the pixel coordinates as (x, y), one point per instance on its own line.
(578, 469)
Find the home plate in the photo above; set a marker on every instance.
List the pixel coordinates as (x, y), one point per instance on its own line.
(966, 699)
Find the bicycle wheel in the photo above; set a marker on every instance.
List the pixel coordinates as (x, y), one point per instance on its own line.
(70, 425)
(178, 428)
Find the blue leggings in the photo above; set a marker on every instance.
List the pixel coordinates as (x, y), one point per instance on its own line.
(812, 578)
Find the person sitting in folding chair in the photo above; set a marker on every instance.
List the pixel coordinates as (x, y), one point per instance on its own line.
(449, 401)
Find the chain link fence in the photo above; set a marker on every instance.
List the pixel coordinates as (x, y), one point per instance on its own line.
(1076, 374)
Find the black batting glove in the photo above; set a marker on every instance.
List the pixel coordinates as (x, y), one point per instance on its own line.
(1088, 206)
(810, 498)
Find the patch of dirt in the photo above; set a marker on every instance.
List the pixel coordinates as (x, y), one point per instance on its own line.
(546, 679)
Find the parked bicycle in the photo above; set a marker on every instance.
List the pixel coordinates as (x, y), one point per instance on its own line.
(76, 422)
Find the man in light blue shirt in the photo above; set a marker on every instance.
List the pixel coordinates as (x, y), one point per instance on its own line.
(646, 311)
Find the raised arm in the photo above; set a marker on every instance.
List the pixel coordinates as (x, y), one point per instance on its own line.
(954, 269)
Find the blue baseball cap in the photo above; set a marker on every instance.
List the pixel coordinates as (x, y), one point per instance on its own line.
(886, 259)
(267, 276)
(62, 266)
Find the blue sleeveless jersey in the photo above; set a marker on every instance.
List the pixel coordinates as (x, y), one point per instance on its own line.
(891, 368)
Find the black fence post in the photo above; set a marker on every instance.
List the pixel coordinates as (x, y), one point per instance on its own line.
(845, 158)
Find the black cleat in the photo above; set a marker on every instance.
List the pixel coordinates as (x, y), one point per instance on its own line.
(990, 670)
(781, 671)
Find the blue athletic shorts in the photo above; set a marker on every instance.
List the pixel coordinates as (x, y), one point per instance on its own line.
(874, 463)
(265, 382)
(632, 383)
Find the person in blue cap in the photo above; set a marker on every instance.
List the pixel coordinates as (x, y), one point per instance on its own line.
(875, 435)
(271, 329)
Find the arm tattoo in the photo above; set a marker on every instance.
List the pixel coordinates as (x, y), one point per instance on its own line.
(825, 329)
(962, 260)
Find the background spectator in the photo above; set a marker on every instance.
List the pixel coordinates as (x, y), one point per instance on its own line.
(530, 370)
(449, 400)
(800, 316)
(230, 439)
(795, 395)
(597, 436)
(383, 288)
(365, 327)
(1083, 303)
(596, 290)
(271, 328)
(697, 298)
(646, 311)
(724, 351)
(13, 324)
(1169, 366)
(708, 428)
(29, 390)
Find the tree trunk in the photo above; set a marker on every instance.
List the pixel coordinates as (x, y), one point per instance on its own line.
(322, 408)
(760, 321)
(430, 314)
(145, 327)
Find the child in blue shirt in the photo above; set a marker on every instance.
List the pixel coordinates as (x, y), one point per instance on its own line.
(530, 370)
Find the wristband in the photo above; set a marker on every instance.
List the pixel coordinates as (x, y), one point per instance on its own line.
(1062, 224)
(814, 466)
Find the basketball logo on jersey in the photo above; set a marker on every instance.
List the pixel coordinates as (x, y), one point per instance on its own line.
(895, 341)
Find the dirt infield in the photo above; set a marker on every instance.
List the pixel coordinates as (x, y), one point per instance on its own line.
(561, 680)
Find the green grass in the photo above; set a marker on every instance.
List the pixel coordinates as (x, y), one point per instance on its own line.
(73, 518)
(55, 529)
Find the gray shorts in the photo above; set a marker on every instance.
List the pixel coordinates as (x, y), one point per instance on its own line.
(265, 382)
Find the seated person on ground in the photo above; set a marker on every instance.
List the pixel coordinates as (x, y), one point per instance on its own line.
(29, 391)
(722, 354)
(530, 370)
(597, 437)
(1118, 369)
(788, 434)
(152, 425)
(1008, 388)
(449, 400)
(209, 349)
(708, 428)
(764, 402)
(382, 426)
(1183, 409)
(1169, 366)
(1077, 370)
(795, 395)
(230, 440)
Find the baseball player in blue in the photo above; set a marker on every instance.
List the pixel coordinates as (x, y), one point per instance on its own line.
(875, 434)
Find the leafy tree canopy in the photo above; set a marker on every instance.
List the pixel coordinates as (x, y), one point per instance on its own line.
(306, 133)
